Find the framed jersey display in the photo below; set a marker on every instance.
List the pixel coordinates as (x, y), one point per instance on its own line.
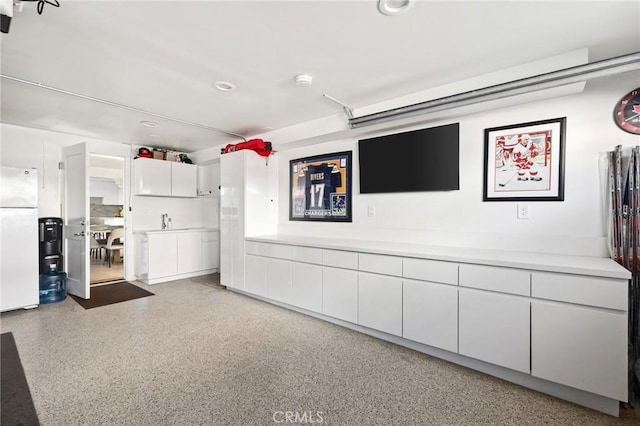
(320, 188)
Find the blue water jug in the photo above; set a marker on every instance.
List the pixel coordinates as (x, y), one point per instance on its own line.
(53, 286)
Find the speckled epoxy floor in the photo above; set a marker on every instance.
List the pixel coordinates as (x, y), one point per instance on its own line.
(195, 354)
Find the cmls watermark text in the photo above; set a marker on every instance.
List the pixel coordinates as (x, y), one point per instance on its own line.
(305, 417)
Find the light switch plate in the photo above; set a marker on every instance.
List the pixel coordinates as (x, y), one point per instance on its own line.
(371, 211)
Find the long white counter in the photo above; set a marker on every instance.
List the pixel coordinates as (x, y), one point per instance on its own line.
(554, 323)
(583, 265)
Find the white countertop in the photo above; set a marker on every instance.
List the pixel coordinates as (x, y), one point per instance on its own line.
(166, 231)
(583, 265)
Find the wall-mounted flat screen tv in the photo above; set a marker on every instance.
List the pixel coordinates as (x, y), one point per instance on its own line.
(419, 160)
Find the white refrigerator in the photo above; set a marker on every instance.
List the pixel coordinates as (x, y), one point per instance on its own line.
(19, 286)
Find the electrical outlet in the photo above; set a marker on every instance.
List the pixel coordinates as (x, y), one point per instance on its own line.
(523, 211)
(371, 211)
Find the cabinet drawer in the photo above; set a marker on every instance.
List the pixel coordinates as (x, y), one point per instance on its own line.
(430, 270)
(308, 255)
(279, 251)
(504, 280)
(380, 264)
(340, 259)
(593, 291)
(254, 247)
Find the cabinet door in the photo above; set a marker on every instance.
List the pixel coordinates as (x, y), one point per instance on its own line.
(189, 252)
(255, 275)
(96, 187)
(163, 255)
(581, 347)
(279, 280)
(307, 286)
(340, 294)
(380, 303)
(430, 314)
(110, 196)
(495, 328)
(232, 220)
(184, 180)
(152, 177)
(210, 250)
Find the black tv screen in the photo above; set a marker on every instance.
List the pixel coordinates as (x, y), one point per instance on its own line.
(420, 160)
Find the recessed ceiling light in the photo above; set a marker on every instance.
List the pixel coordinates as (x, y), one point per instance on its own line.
(149, 123)
(225, 86)
(303, 80)
(394, 7)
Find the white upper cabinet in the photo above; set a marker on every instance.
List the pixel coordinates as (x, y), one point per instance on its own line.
(152, 177)
(165, 178)
(209, 180)
(184, 180)
(108, 190)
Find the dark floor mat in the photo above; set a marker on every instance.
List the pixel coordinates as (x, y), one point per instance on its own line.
(109, 294)
(17, 405)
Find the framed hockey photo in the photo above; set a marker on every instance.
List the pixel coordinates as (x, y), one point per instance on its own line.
(525, 162)
(320, 188)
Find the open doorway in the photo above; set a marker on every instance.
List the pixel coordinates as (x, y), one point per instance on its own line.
(106, 212)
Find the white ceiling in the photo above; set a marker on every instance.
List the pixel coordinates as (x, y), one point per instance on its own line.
(163, 56)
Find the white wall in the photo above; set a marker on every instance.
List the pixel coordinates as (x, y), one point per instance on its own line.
(460, 218)
(184, 212)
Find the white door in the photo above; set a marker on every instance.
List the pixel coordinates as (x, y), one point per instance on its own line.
(76, 219)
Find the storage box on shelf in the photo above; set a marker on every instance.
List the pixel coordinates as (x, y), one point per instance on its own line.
(557, 327)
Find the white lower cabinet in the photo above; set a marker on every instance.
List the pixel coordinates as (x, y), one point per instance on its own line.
(340, 294)
(169, 255)
(430, 314)
(495, 328)
(255, 275)
(210, 250)
(380, 303)
(561, 333)
(279, 280)
(189, 252)
(162, 255)
(581, 347)
(307, 286)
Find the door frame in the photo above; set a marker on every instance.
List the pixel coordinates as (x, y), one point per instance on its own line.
(121, 173)
(126, 152)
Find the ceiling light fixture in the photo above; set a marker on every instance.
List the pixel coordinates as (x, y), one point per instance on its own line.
(303, 80)
(225, 86)
(394, 7)
(149, 123)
